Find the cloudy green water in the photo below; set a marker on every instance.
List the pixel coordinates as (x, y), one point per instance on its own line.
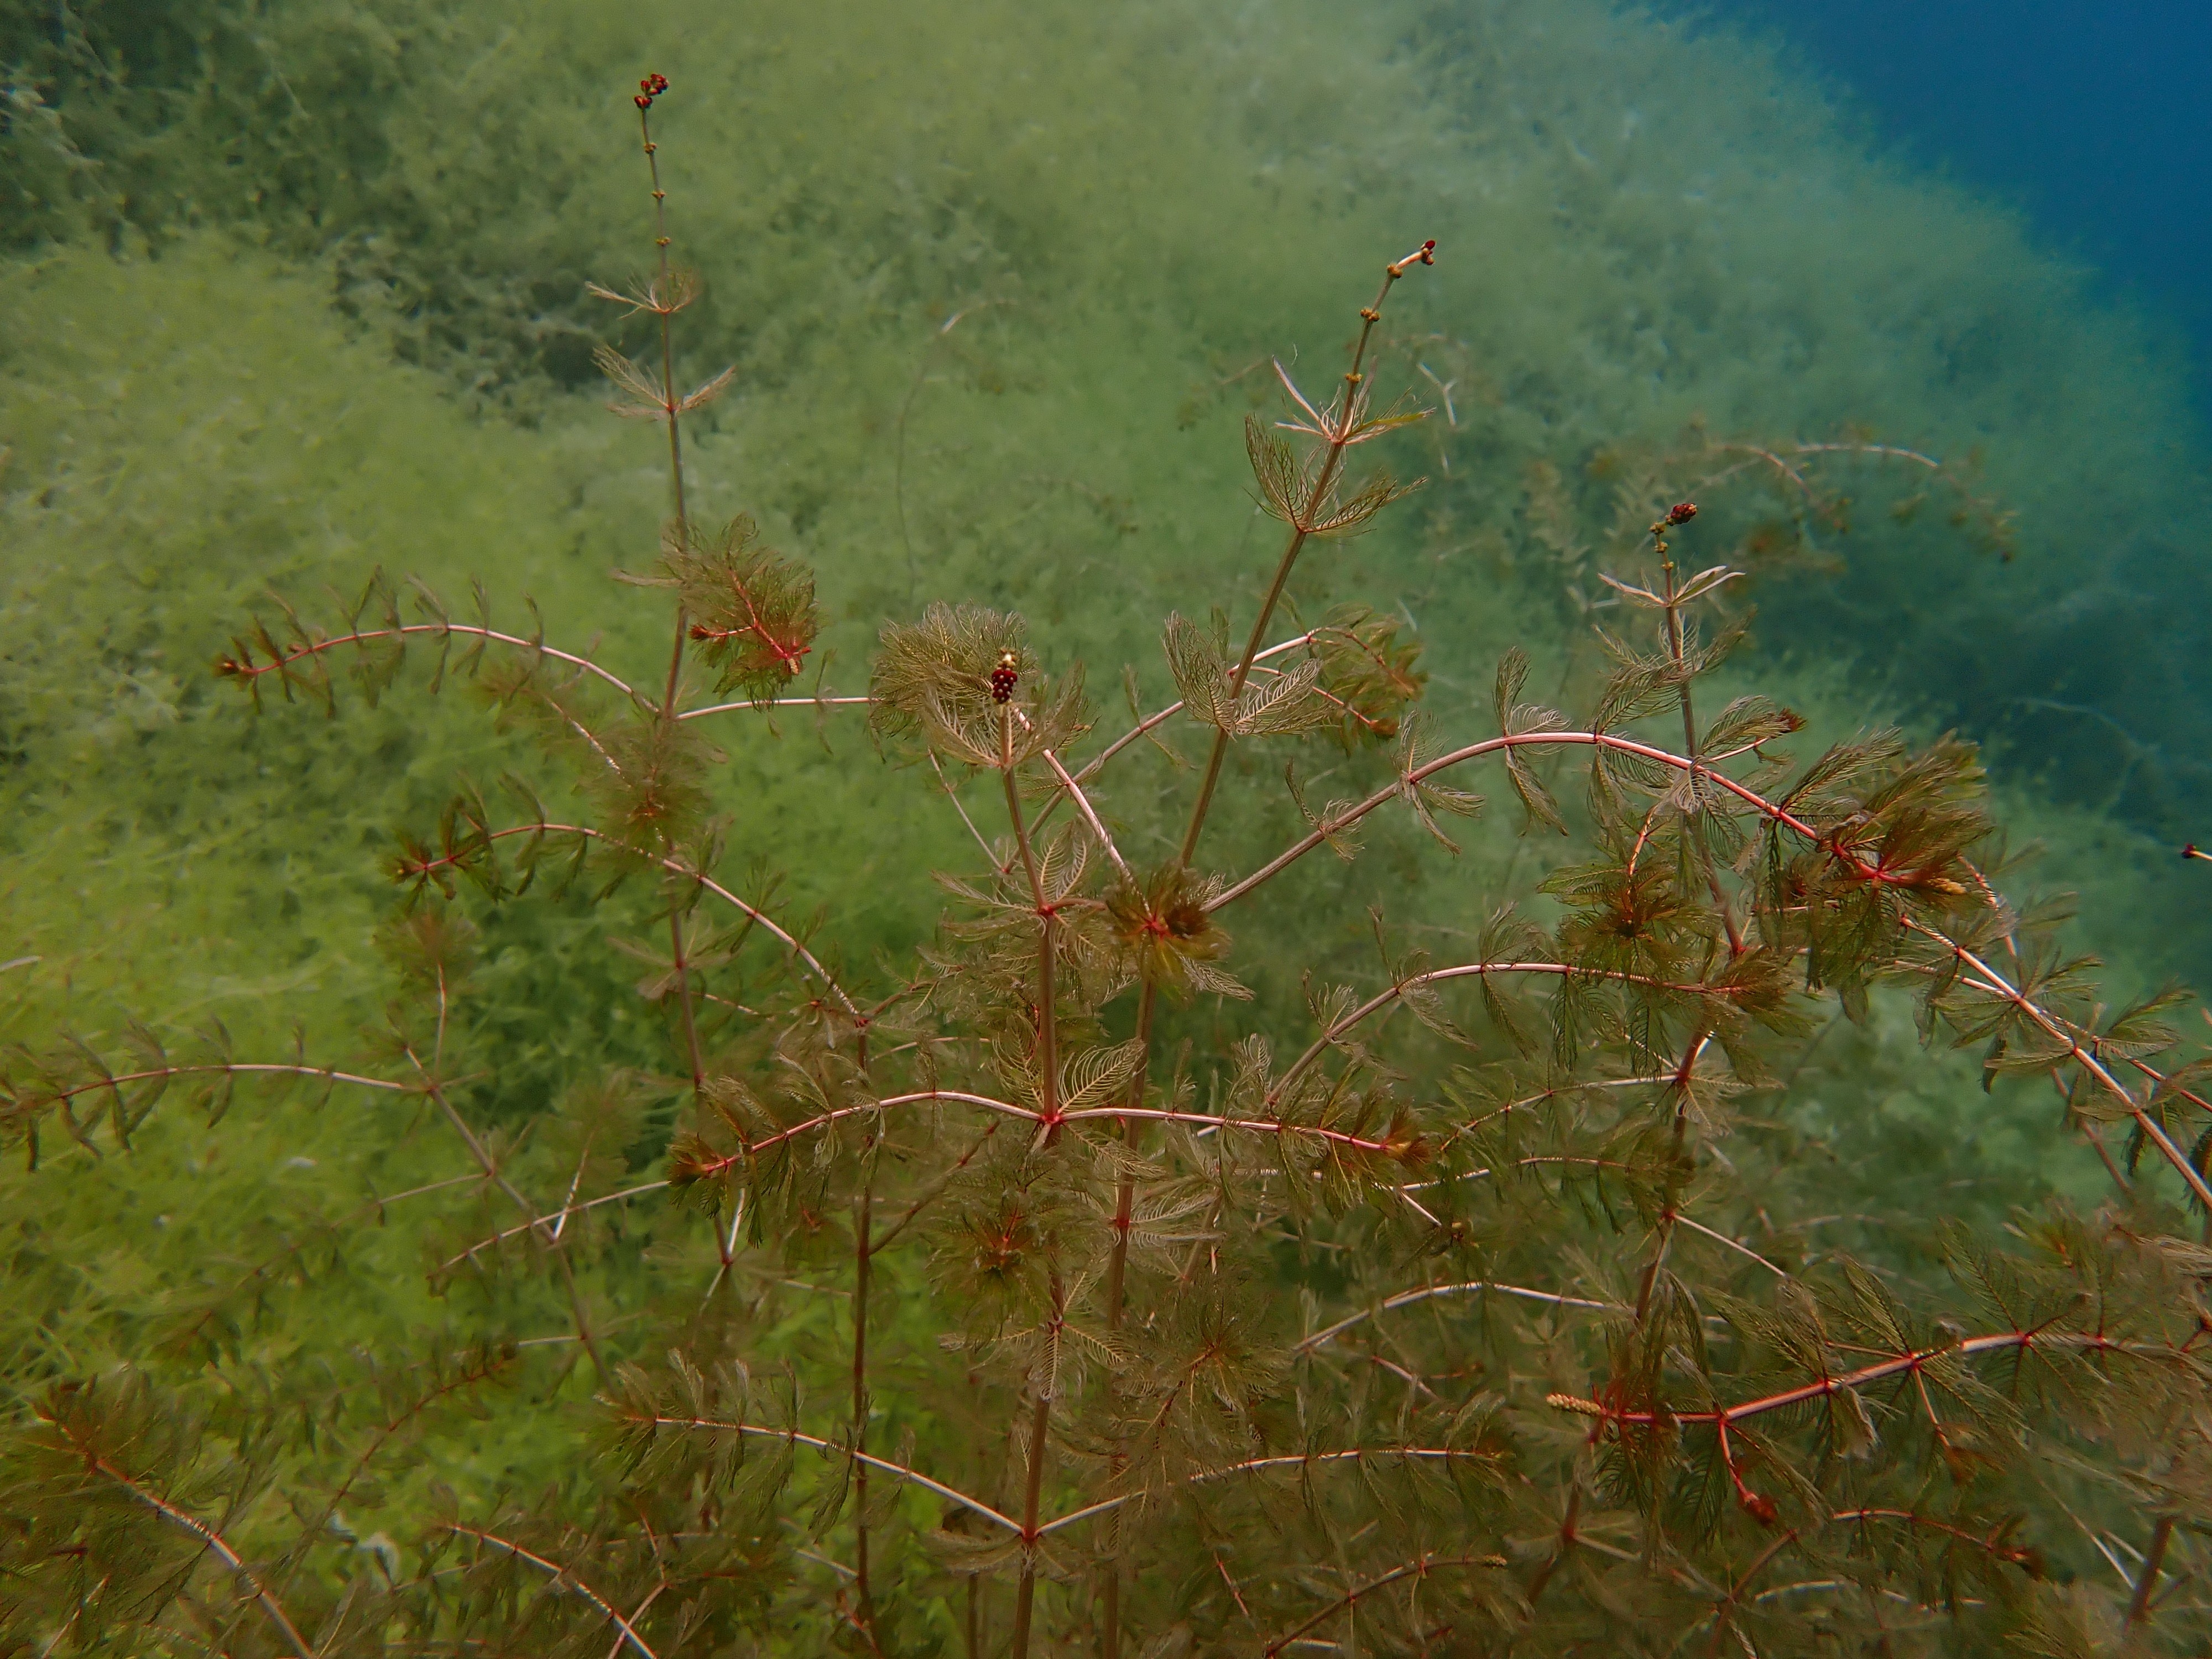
(298, 292)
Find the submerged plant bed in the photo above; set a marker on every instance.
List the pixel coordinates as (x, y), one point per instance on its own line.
(1579, 1235)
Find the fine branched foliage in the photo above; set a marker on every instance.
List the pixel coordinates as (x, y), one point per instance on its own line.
(1048, 1291)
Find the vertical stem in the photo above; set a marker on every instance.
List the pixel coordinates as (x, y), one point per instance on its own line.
(1290, 551)
(1674, 651)
(862, 1254)
(1651, 1269)
(666, 312)
(1332, 463)
(1565, 1543)
(1110, 1601)
(1025, 1599)
(1117, 1262)
(1049, 1099)
(684, 978)
(2139, 1604)
(590, 1343)
(1339, 438)
(667, 383)
(1676, 1141)
(1048, 1021)
(1690, 751)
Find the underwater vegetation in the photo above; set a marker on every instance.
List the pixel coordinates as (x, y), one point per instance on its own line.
(578, 1181)
(1972, 86)
(1666, 237)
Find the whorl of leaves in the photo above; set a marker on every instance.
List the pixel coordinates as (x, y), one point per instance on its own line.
(1273, 702)
(1162, 924)
(750, 610)
(1370, 673)
(931, 686)
(1304, 487)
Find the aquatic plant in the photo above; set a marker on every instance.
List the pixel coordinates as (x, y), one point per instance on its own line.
(1502, 1326)
(425, 162)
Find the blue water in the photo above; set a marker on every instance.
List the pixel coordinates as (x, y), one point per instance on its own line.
(2095, 116)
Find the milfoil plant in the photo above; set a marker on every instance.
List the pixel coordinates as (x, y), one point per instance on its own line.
(1045, 1292)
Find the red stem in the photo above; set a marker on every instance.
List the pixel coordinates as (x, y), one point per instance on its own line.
(209, 1537)
(1339, 438)
(1895, 1366)
(243, 668)
(1844, 856)
(1418, 1569)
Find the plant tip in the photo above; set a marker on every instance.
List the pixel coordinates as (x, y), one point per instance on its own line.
(1425, 254)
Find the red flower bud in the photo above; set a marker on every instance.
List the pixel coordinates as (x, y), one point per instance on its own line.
(1681, 513)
